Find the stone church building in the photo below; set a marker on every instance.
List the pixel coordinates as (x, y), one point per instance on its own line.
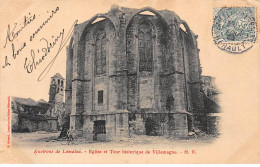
(29, 115)
(134, 72)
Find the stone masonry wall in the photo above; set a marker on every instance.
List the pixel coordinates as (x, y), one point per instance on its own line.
(174, 79)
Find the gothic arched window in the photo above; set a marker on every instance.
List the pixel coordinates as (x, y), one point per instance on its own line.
(145, 46)
(100, 59)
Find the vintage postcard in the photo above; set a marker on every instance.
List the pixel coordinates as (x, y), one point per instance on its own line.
(124, 81)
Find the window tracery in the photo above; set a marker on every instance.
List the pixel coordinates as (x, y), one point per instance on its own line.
(100, 59)
(145, 46)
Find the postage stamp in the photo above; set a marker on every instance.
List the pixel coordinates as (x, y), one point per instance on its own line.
(234, 28)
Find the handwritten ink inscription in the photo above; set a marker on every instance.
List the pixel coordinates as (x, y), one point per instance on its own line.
(36, 57)
(32, 64)
(11, 35)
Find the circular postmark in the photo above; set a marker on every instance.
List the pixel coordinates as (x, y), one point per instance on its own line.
(234, 28)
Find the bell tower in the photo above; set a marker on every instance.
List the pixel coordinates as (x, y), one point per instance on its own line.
(56, 94)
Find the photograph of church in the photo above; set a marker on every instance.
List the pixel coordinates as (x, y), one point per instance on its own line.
(29, 115)
(134, 72)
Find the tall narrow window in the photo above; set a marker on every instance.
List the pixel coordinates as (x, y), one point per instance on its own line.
(149, 51)
(100, 62)
(103, 54)
(100, 97)
(145, 46)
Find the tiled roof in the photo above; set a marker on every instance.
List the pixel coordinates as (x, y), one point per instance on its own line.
(29, 101)
(24, 101)
(33, 107)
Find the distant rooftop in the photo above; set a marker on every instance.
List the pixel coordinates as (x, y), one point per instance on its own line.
(28, 101)
(206, 76)
(57, 75)
(42, 101)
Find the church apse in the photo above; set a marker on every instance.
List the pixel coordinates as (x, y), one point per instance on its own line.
(133, 72)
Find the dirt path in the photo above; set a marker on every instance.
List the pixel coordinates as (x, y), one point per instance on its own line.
(49, 140)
